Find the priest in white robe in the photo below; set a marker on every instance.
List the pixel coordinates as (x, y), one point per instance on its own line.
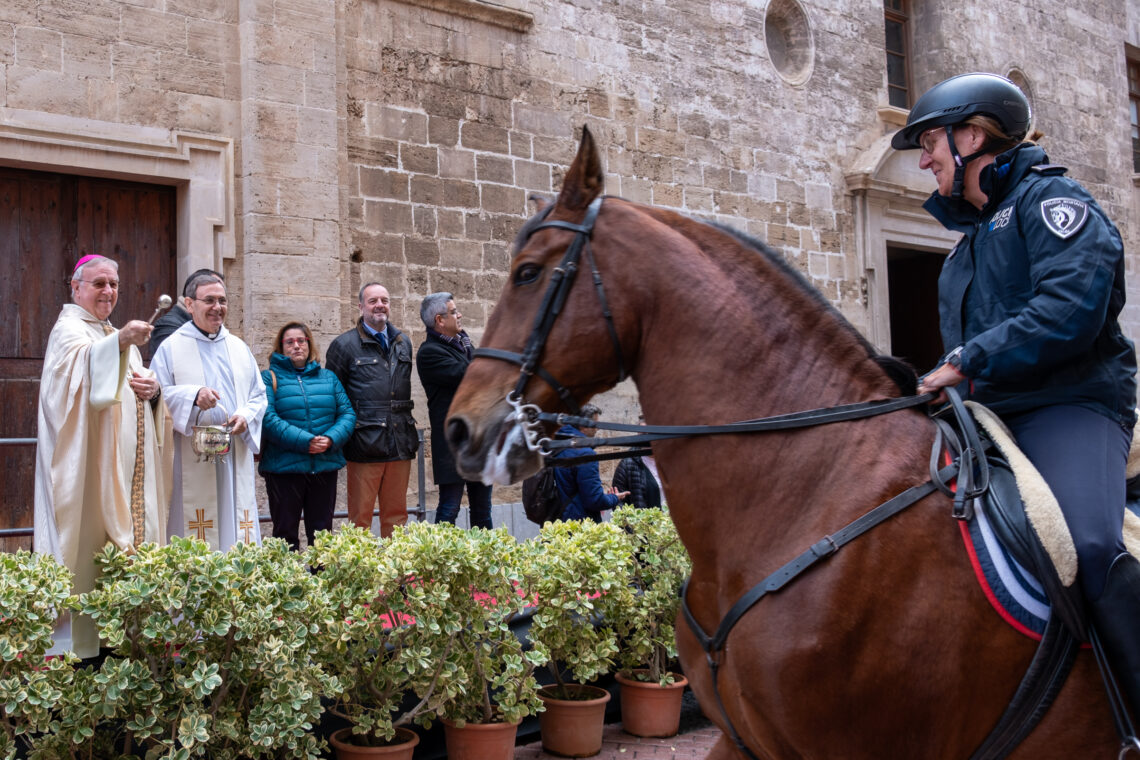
(210, 377)
(100, 471)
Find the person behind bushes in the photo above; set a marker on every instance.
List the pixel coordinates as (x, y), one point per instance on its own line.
(307, 422)
(581, 484)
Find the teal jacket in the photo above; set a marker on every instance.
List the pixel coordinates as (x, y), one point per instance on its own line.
(306, 402)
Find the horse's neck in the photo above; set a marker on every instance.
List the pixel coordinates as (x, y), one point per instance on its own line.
(780, 351)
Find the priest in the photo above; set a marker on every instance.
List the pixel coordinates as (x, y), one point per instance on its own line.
(100, 472)
(209, 377)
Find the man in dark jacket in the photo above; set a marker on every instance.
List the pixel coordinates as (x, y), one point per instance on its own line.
(442, 361)
(581, 485)
(373, 361)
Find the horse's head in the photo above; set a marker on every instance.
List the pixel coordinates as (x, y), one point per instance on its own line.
(543, 345)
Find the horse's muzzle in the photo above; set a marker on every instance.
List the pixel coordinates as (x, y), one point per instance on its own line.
(497, 454)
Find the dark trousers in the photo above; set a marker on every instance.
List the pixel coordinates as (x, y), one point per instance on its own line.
(478, 501)
(1082, 456)
(292, 495)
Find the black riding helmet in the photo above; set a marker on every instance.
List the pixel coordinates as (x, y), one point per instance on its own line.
(956, 99)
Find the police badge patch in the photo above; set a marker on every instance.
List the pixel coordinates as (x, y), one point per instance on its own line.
(1064, 216)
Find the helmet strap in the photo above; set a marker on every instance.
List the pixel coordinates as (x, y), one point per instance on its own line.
(960, 162)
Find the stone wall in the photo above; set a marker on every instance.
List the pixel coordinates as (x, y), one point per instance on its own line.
(398, 140)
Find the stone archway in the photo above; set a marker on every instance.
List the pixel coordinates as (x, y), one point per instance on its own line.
(888, 190)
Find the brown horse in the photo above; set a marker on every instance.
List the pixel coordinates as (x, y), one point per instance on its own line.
(887, 650)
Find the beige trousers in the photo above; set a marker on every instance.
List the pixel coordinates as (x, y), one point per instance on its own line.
(386, 482)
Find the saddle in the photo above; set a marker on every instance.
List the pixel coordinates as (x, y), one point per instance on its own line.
(1027, 520)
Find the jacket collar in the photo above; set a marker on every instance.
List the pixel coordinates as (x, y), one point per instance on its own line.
(393, 334)
(996, 180)
(282, 363)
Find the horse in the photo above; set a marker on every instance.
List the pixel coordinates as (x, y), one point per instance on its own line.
(887, 649)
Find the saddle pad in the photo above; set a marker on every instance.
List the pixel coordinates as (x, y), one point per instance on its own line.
(1010, 589)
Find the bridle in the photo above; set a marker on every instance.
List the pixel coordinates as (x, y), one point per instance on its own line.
(552, 303)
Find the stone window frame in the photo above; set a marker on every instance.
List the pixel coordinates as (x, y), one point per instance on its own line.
(199, 166)
(504, 14)
(1132, 73)
(898, 12)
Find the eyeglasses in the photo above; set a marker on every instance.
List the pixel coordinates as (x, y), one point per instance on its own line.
(295, 341)
(211, 301)
(100, 284)
(928, 140)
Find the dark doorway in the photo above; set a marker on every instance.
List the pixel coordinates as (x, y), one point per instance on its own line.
(48, 221)
(912, 281)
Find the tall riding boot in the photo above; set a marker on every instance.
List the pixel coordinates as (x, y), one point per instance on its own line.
(1117, 617)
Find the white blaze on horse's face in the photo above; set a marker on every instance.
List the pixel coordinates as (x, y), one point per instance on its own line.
(502, 465)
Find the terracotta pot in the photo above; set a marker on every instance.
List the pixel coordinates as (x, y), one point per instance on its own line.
(480, 741)
(573, 727)
(650, 709)
(403, 747)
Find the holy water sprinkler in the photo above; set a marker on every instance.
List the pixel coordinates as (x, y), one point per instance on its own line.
(164, 303)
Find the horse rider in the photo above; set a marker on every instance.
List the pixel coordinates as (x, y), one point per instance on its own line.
(1029, 301)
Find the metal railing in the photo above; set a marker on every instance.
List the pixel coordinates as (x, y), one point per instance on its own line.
(419, 511)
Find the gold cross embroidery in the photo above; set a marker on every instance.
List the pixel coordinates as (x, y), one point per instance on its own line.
(200, 524)
(246, 525)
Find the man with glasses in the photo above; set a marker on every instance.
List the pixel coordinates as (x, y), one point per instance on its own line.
(209, 377)
(99, 468)
(442, 361)
(178, 315)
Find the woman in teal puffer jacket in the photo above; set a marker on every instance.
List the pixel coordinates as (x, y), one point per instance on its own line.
(307, 423)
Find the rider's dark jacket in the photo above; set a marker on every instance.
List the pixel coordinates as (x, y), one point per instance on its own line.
(1033, 290)
(379, 384)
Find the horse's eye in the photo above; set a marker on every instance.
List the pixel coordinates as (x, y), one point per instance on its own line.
(527, 273)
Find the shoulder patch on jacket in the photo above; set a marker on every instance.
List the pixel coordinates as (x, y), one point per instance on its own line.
(1049, 169)
(1064, 216)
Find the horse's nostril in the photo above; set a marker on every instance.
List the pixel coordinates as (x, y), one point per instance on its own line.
(457, 433)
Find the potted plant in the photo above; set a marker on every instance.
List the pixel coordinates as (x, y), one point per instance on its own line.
(386, 635)
(579, 575)
(212, 655)
(34, 591)
(477, 577)
(650, 691)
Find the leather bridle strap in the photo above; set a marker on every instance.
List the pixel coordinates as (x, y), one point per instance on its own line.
(552, 303)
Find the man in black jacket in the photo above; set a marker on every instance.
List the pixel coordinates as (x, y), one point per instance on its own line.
(373, 361)
(442, 361)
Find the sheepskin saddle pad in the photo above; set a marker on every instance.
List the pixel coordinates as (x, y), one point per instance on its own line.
(1027, 563)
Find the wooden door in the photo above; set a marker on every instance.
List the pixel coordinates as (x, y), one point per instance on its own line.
(47, 222)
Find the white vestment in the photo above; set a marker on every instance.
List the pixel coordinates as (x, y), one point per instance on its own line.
(94, 482)
(213, 501)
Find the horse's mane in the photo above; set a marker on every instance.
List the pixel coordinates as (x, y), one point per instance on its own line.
(899, 371)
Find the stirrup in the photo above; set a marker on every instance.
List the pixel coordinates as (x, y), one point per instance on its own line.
(1130, 743)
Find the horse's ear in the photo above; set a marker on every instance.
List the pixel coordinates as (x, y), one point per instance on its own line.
(540, 202)
(584, 179)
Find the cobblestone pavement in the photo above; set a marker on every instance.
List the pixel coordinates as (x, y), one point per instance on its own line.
(618, 745)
